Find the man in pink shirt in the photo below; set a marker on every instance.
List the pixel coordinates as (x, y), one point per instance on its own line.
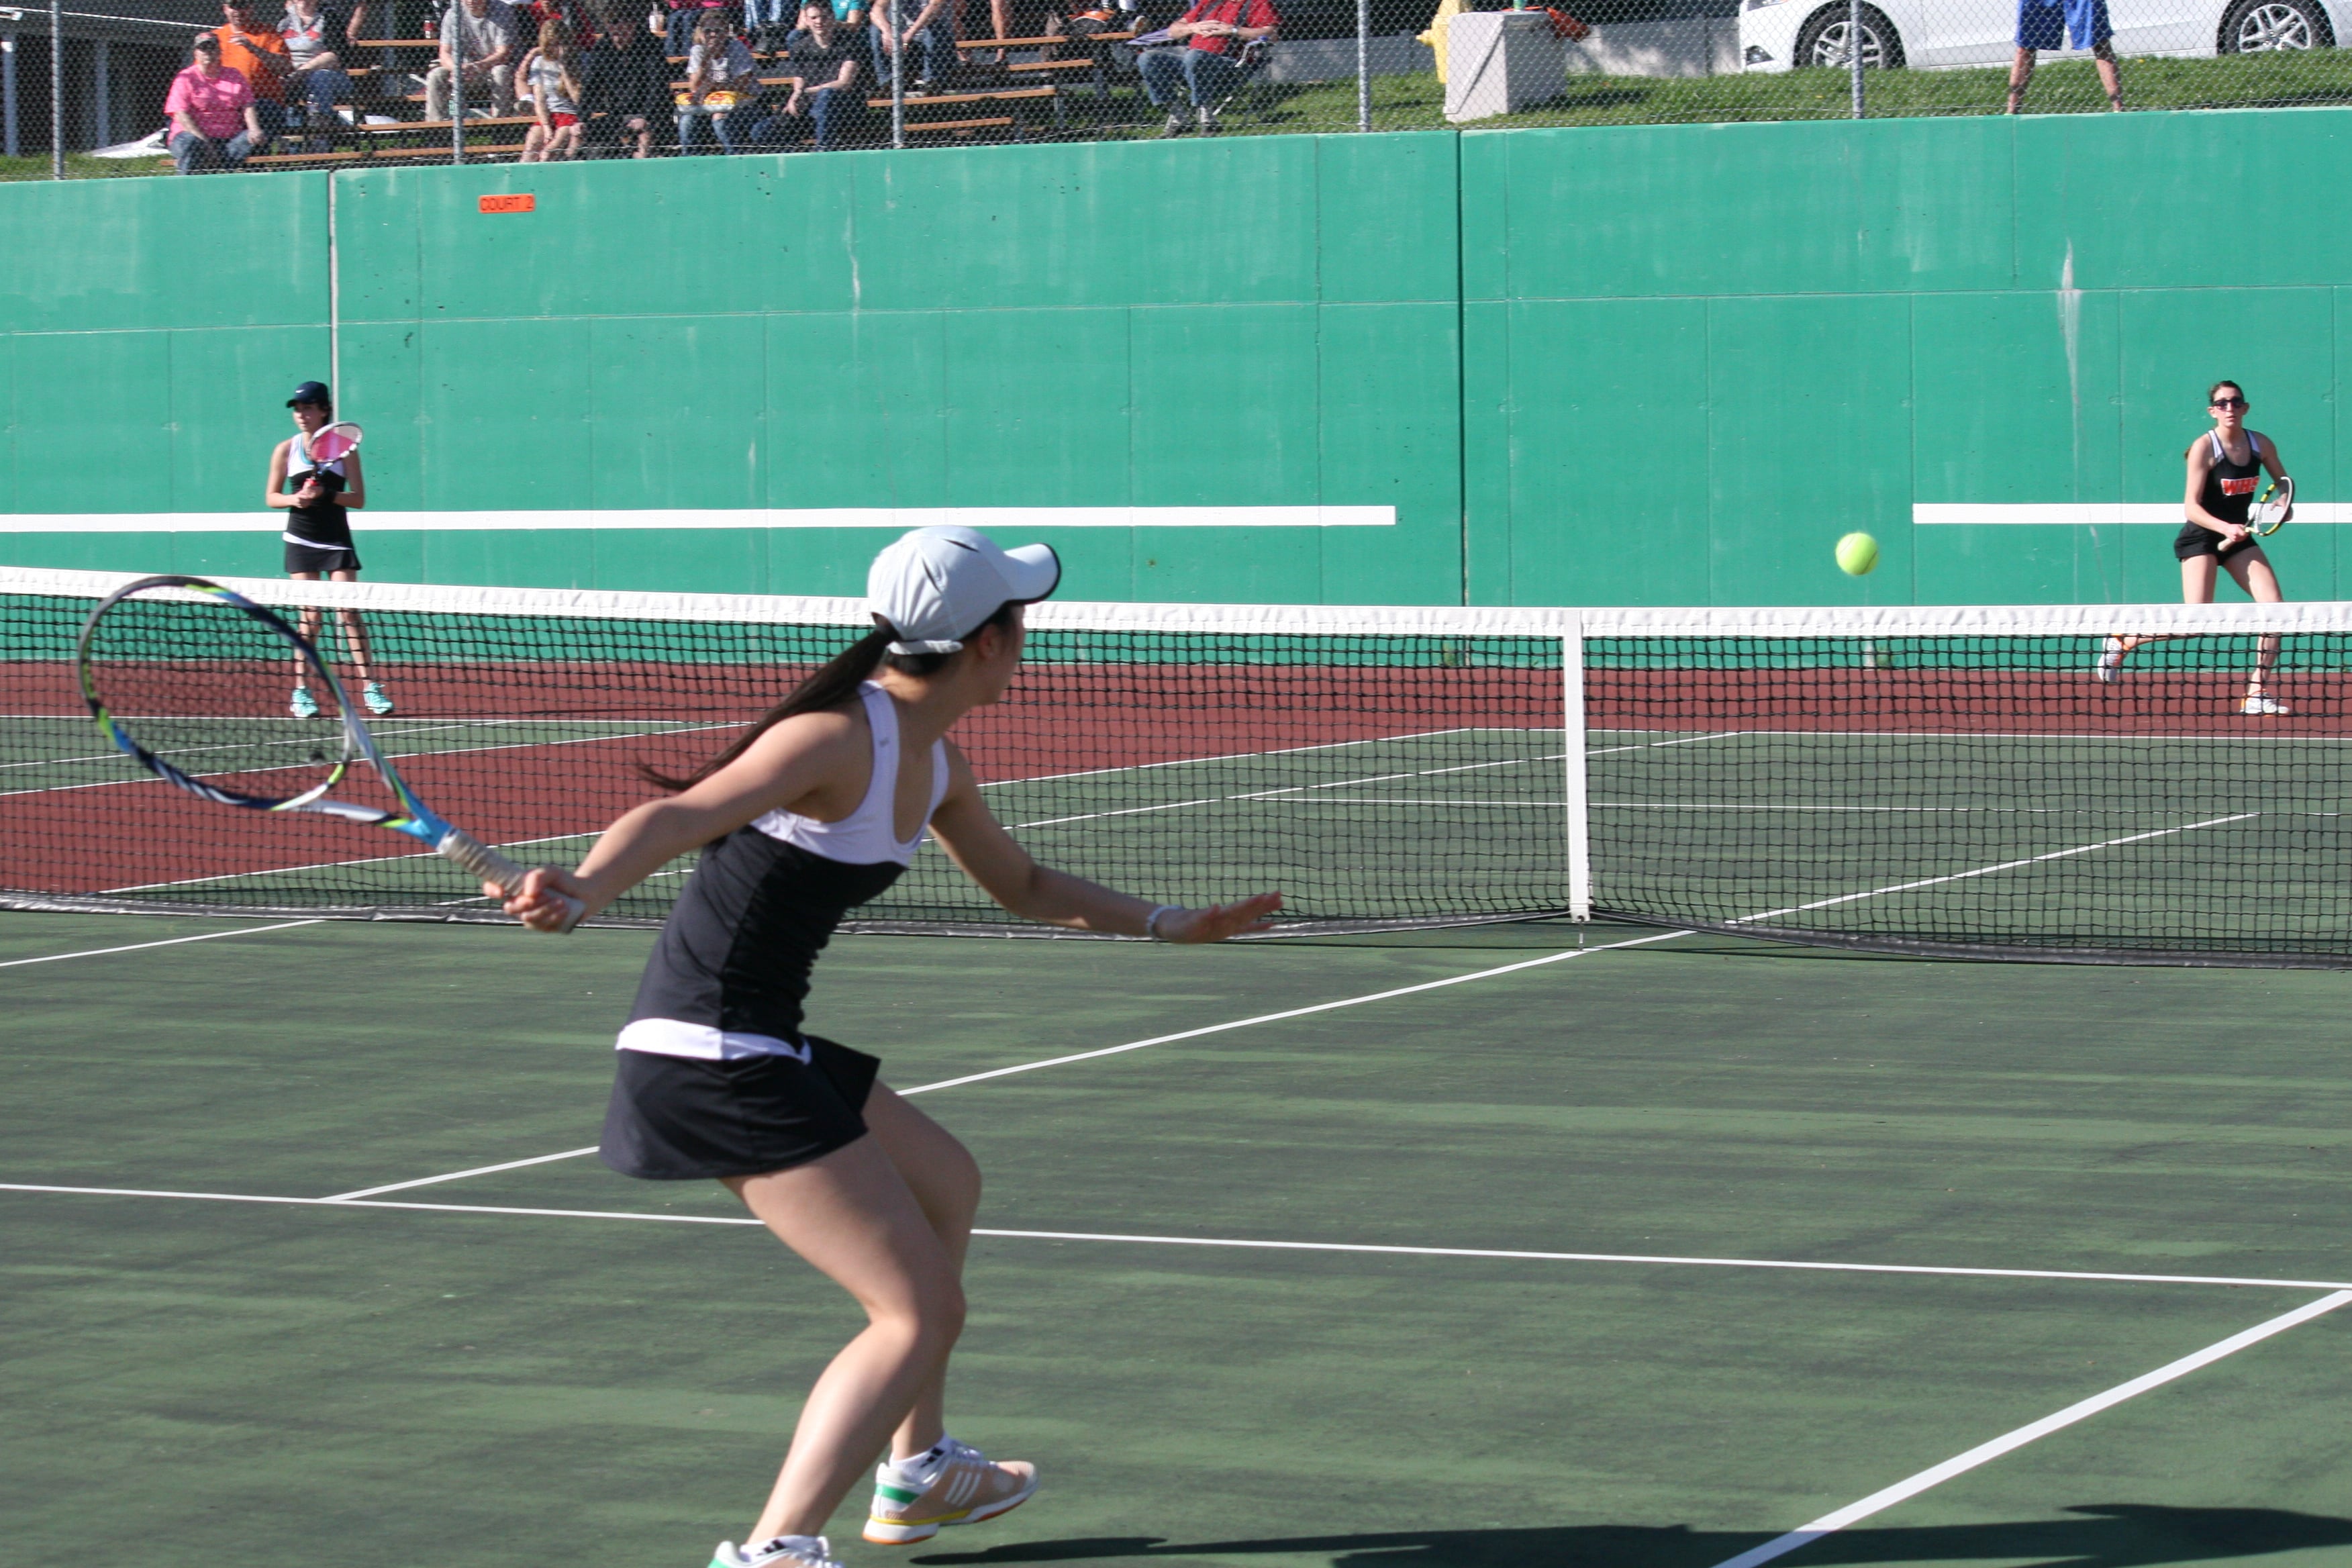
(213, 125)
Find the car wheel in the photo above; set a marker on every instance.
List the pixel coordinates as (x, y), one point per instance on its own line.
(1824, 40)
(2259, 26)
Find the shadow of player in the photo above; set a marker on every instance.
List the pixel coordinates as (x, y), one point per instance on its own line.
(2101, 1535)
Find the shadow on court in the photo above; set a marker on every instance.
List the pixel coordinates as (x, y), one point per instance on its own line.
(2102, 1535)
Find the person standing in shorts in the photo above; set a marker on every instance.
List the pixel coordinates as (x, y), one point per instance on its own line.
(816, 808)
(316, 499)
(2225, 468)
(2047, 25)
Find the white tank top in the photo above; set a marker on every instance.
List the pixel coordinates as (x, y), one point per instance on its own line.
(866, 836)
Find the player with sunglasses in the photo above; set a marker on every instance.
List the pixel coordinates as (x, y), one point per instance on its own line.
(2225, 467)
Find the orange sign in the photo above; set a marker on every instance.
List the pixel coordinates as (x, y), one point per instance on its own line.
(521, 204)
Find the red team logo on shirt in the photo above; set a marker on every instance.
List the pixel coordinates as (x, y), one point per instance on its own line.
(2244, 487)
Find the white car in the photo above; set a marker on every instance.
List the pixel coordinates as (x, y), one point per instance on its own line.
(1776, 34)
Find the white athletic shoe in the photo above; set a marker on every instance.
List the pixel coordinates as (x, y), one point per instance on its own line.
(302, 705)
(2264, 706)
(784, 1552)
(373, 694)
(963, 1488)
(2111, 661)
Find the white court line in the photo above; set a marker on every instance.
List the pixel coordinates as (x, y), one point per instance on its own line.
(1989, 870)
(1245, 1245)
(1959, 1464)
(1085, 1056)
(1271, 794)
(167, 942)
(458, 1175)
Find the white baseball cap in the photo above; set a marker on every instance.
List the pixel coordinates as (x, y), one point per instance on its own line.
(936, 586)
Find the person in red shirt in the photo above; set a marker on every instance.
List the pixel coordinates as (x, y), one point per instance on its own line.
(257, 53)
(212, 113)
(1204, 58)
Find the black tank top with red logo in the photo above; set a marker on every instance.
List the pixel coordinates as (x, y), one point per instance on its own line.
(2230, 484)
(2228, 493)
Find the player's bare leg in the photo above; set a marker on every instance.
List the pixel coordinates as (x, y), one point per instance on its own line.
(2020, 72)
(2253, 571)
(2110, 75)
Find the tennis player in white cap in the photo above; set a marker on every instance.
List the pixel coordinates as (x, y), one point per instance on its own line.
(815, 810)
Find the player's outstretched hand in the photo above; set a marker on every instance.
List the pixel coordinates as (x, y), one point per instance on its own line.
(550, 899)
(1220, 920)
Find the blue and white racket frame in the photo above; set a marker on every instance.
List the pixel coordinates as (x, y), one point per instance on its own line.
(413, 819)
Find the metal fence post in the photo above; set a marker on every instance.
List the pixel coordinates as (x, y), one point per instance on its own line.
(102, 93)
(56, 91)
(1853, 52)
(454, 26)
(897, 80)
(1363, 62)
(8, 91)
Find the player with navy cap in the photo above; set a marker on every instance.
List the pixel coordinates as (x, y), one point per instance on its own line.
(315, 498)
(816, 809)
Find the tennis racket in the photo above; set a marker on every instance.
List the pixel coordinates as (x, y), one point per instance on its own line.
(2270, 511)
(328, 442)
(187, 679)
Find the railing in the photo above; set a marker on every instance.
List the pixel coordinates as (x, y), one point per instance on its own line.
(82, 93)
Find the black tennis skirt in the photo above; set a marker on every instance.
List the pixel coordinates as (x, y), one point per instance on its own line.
(677, 1119)
(321, 558)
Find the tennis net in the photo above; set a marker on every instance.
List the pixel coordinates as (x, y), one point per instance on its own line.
(1933, 780)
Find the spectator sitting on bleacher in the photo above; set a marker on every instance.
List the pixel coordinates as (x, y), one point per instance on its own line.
(257, 54)
(211, 107)
(766, 23)
(822, 61)
(722, 88)
(491, 30)
(626, 79)
(550, 74)
(1205, 56)
(924, 24)
(316, 78)
(684, 19)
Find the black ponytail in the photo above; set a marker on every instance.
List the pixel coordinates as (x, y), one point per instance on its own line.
(831, 684)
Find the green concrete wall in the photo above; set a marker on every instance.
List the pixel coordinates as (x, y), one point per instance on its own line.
(1636, 365)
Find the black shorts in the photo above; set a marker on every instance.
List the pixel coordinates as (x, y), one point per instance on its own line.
(321, 558)
(682, 1118)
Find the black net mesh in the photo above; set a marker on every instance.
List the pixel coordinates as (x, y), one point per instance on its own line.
(1373, 779)
(1936, 781)
(1980, 792)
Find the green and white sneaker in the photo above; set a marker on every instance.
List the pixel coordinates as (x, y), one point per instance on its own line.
(784, 1552)
(371, 693)
(302, 705)
(955, 1483)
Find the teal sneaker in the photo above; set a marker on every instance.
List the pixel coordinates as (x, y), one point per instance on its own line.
(302, 705)
(371, 693)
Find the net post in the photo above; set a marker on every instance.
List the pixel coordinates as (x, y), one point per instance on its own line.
(1579, 826)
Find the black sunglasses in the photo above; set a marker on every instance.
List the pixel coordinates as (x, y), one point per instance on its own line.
(2229, 402)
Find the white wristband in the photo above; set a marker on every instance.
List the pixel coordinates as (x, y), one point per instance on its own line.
(1151, 920)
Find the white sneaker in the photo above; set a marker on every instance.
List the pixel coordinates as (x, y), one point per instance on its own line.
(2264, 707)
(302, 705)
(784, 1552)
(371, 693)
(2111, 661)
(963, 1488)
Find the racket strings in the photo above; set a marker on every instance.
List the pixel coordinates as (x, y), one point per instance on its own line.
(209, 690)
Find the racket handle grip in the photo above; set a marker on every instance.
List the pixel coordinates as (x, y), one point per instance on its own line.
(492, 867)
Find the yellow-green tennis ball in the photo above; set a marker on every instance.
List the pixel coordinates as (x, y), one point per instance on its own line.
(1857, 553)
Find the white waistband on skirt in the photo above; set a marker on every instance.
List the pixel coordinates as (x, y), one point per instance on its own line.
(669, 1038)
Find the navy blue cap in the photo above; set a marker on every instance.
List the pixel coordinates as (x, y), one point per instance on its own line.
(311, 392)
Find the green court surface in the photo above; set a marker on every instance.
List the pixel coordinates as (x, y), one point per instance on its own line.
(608, 1380)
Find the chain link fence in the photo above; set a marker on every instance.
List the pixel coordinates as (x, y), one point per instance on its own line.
(189, 86)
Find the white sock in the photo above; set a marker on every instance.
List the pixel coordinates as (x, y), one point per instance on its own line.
(919, 1470)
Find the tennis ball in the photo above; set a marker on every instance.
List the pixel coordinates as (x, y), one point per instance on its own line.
(1857, 554)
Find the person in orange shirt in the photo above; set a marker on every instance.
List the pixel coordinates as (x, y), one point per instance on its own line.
(258, 53)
